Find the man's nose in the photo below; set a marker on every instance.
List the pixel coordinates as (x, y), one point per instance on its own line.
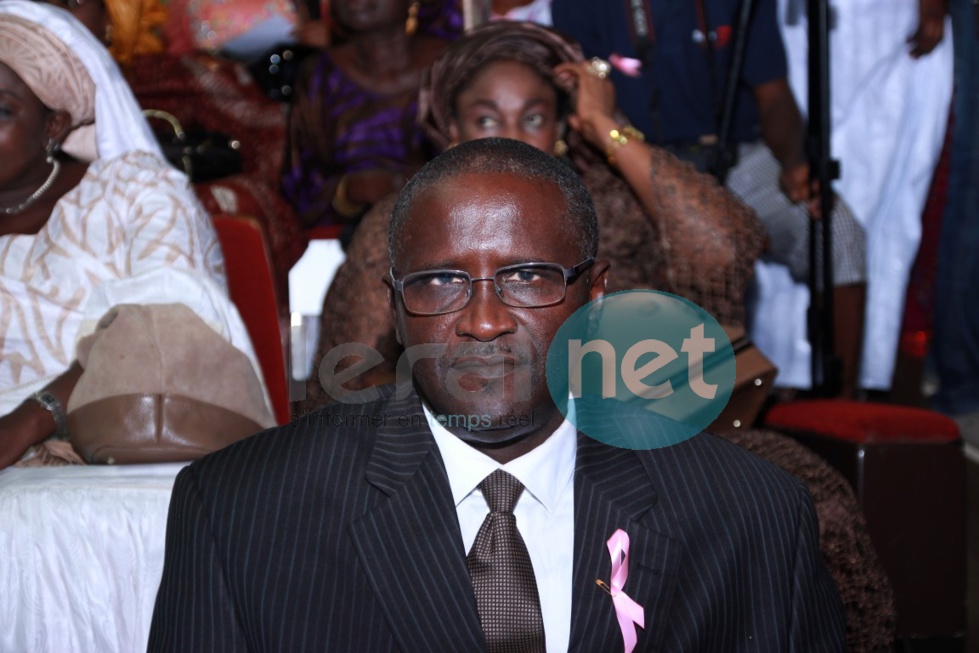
(485, 317)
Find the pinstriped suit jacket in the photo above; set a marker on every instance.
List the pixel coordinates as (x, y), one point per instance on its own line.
(338, 533)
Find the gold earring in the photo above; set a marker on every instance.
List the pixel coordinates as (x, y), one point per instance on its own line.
(560, 147)
(411, 25)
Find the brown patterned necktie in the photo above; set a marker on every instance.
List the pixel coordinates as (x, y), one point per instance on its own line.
(502, 574)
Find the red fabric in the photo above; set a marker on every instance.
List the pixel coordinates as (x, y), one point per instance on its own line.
(250, 283)
(863, 422)
(244, 202)
(240, 195)
(325, 232)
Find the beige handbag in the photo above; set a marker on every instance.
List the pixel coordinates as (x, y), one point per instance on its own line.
(160, 385)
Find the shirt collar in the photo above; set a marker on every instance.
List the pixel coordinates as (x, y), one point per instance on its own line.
(545, 472)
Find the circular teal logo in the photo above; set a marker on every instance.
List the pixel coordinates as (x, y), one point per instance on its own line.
(643, 369)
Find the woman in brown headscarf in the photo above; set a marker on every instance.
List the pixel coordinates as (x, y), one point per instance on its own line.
(663, 225)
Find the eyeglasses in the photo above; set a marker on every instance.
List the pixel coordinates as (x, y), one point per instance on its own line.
(525, 285)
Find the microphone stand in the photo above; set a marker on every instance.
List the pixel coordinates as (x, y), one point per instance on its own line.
(727, 151)
(823, 169)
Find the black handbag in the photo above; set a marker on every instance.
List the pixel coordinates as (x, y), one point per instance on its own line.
(203, 155)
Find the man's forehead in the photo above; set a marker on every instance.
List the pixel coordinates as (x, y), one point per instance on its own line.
(520, 218)
(455, 195)
(489, 179)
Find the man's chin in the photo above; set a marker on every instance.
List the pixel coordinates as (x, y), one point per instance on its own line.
(491, 438)
(489, 423)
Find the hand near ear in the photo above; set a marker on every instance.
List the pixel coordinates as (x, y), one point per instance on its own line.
(594, 106)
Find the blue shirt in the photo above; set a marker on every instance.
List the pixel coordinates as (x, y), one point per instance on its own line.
(688, 87)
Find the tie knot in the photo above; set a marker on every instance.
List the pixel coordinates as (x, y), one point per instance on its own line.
(501, 491)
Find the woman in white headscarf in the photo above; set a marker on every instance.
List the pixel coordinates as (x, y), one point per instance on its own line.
(91, 217)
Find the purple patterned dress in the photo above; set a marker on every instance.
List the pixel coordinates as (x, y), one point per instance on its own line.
(337, 127)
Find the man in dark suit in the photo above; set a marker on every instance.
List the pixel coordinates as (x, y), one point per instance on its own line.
(348, 529)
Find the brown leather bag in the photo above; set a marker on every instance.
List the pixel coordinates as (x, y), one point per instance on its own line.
(160, 385)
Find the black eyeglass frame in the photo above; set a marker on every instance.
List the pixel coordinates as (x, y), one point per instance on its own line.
(570, 276)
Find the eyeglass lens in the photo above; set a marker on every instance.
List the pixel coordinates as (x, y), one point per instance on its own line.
(444, 291)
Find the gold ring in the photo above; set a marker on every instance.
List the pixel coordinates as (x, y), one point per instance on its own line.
(599, 67)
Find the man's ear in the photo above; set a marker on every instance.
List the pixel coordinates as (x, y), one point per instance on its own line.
(57, 127)
(599, 272)
(393, 308)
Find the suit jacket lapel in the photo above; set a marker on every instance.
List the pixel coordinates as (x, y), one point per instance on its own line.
(410, 544)
(613, 490)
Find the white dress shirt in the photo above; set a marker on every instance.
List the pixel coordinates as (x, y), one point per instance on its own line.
(544, 512)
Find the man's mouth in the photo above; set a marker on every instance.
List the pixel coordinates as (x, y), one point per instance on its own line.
(479, 363)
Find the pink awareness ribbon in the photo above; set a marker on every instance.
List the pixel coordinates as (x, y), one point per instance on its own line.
(626, 65)
(627, 611)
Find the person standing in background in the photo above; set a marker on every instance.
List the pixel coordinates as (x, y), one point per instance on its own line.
(891, 81)
(671, 64)
(955, 347)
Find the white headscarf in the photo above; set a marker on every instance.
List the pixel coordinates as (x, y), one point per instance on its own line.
(119, 123)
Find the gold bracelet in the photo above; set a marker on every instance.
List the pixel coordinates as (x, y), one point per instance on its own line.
(619, 137)
(342, 204)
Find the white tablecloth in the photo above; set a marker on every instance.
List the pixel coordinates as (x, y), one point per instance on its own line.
(81, 556)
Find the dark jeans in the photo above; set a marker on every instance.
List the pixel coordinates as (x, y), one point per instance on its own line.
(955, 349)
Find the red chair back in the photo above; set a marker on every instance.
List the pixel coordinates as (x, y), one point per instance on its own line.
(249, 270)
